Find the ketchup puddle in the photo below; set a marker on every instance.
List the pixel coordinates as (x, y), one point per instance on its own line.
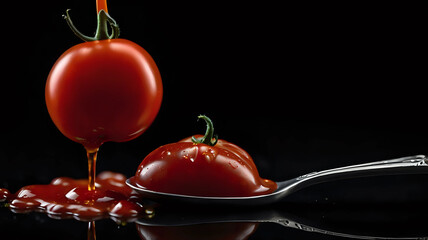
(70, 198)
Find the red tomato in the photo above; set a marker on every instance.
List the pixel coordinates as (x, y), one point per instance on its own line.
(199, 169)
(107, 90)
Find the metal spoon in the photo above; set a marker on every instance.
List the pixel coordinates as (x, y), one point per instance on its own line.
(406, 165)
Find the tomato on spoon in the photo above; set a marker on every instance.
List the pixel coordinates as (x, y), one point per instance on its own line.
(202, 166)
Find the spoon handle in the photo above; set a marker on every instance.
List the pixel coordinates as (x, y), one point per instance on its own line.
(405, 165)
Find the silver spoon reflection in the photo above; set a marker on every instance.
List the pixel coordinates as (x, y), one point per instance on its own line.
(405, 165)
(180, 218)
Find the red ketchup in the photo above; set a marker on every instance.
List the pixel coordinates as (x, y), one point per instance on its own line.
(65, 197)
(200, 167)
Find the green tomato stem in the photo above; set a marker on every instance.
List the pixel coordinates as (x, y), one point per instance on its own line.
(209, 138)
(102, 29)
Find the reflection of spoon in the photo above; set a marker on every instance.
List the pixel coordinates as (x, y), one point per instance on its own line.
(405, 165)
(173, 218)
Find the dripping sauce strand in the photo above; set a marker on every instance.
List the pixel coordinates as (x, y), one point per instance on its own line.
(101, 5)
(92, 161)
(92, 153)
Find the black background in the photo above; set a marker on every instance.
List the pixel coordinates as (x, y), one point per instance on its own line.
(302, 87)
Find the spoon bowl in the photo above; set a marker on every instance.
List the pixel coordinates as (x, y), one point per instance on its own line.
(407, 165)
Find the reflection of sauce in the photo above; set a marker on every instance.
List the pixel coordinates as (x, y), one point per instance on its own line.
(65, 197)
(91, 231)
(215, 231)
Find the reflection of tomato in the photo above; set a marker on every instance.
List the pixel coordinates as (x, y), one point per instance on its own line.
(107, 90)
(217, 231)
(202, 168)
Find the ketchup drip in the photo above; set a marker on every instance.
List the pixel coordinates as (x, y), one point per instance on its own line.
(66, 197)
(92, 161)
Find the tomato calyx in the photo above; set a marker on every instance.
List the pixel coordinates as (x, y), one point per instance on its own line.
(209, 138)
(102, 32)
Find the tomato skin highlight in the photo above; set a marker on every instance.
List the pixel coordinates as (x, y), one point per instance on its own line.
(106, 90)
(223, 170)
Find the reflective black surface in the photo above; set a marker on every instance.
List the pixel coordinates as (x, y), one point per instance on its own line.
(281, 221)
(302, 87)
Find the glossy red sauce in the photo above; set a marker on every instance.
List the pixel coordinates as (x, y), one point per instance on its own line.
(188, 168)
(66, 197)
